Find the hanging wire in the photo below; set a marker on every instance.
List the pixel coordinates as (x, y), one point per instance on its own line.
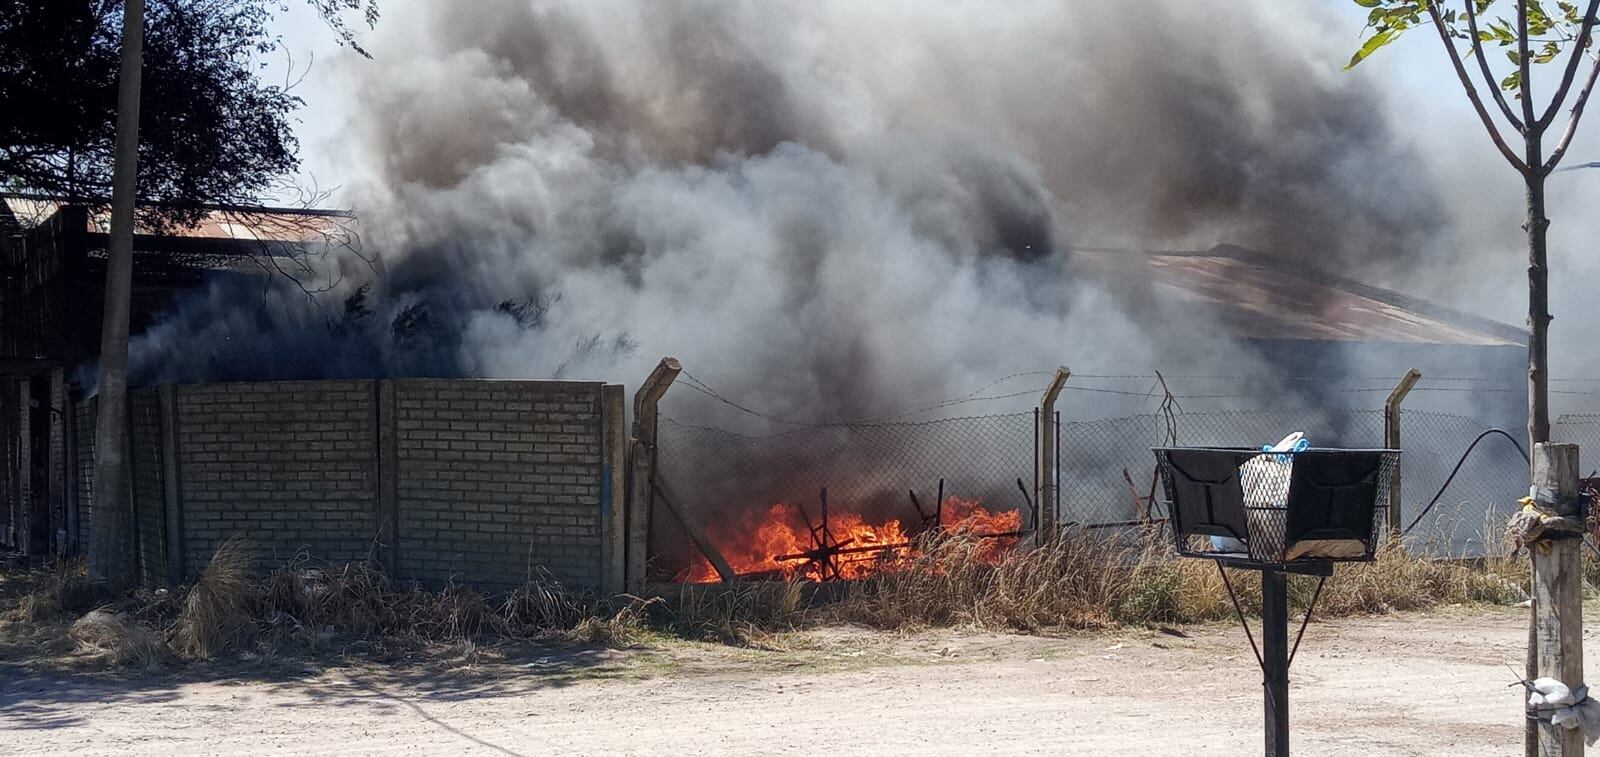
(1453, 471)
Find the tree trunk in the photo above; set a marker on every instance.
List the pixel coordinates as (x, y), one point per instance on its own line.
(1537, 227)
(108, 558)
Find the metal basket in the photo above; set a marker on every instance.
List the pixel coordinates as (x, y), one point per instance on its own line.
(1269, 508)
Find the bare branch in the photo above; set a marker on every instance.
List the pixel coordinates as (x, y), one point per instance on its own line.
(1572, 121)
(1580, 44)
(1483, 65)
(1525, 65)
(1472, 93)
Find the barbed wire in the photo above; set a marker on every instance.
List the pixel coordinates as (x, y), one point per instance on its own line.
(1475, 385)
(702, 387)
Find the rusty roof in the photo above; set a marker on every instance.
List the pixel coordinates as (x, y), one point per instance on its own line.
(1259, 296)
(241, 224)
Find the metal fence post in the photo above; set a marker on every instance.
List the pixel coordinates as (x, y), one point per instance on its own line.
(1044, 485)
(1391, 440)
(641, 468)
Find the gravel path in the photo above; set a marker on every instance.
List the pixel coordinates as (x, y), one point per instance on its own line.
(1405, 685)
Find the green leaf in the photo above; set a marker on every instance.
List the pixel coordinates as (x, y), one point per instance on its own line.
(1516, 57)
(1512, 82)
(1373, 44)
(1369, 3)
(1547, 53)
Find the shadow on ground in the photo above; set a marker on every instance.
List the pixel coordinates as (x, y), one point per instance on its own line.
(35, 696)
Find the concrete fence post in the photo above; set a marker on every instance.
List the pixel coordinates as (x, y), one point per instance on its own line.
(22, 524)
(1044, 487)
(1391, 440)
(387, 518)
(613, 490)
(56, 466)
(641, 468)
(171, 470)
(69, 447)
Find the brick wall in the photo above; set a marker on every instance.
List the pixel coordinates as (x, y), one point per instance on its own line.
(497, 478)
(286, 466)
(479, 482)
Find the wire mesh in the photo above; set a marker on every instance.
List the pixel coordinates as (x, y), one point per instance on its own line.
(1582, 430)
(1471, 511)
(1108, 473)
(730, 482)
(1243, 504)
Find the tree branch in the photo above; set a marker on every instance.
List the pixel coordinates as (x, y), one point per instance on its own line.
(1525, 65)
(1580, 44)
(1572, 122)
(1472, 93)
(1483, 65)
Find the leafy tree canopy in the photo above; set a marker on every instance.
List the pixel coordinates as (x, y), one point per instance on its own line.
(211, 130)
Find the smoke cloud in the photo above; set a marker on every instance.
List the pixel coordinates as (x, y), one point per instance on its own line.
(834, 206)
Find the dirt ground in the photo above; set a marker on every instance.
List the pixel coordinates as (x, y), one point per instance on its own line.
(1429, 684)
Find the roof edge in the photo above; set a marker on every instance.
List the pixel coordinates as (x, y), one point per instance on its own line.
(1418, 305)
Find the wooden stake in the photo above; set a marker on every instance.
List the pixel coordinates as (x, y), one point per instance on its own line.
(699, 536)
(1558, 589)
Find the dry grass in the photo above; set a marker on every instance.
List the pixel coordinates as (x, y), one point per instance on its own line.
(216, 610)
(1082, 580)
(1088, 580)
(122, 642)
(742, 614)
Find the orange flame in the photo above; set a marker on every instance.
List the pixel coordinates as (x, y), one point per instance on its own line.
(777, 545)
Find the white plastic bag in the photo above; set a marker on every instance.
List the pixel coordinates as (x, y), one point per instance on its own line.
(1265, 480)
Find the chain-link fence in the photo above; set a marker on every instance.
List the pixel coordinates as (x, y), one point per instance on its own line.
(1452, 501)
(1108, 471)
(1471, 508)
(1582, 430)
(882, 472)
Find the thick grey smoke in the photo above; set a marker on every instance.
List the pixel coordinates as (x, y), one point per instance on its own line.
(834, 206)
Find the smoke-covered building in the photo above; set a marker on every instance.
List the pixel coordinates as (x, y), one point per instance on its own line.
(1290, 320)
(1301, 322)
(52, 279)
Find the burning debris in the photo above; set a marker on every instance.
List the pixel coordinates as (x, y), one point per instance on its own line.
(785, 542)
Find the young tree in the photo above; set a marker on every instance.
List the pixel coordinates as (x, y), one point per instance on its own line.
(211, 130)
(1530, 33)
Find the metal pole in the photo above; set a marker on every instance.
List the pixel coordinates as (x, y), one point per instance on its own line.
(1275, 660)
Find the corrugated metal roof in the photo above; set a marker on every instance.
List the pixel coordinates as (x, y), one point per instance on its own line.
(245, 224)
(1255, 297)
